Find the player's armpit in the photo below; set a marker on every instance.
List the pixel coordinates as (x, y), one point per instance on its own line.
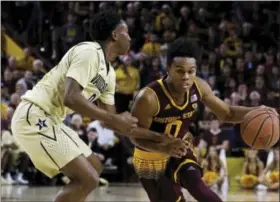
(225, 112)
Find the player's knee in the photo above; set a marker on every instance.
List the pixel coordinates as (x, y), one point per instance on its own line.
(90, 182)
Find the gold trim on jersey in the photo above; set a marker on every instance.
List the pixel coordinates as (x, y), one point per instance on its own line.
(198, 88)
(157, 100)
(182, 164)
(179, 199)
(171, 99)
(150, 156)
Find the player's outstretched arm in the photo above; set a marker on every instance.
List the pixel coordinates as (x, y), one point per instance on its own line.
(138, 132)
(225, 112)
(75, 101)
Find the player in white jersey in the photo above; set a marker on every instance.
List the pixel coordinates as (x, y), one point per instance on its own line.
(83, 75)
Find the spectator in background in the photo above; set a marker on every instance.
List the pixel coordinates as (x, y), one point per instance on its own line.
(76, 125)
(252, 169)
(204, 71)
(9, 81)
(151, 47)
(271, 180)
(250, 63)
(6, 164)
(213, 63)
(230, 86)
(71, 33)
(260, 86)
(26, 62)
(215, 137)
(92, 137)
(270, 61)
(127, 83)
(204, 122)
(20, 88)
(183, 20)
(163, 57)
(12, 64)
(27, 82)
(153, 72)
(6, 121)
(243, 92)
(106, 142)
(9, 144)
(15, 100)
(233, 44)
(255, 99)
(38, 70)
(15, 155)
(240, 70)
(272, 78)
(212, 167)
(235, 98)
(5, 96)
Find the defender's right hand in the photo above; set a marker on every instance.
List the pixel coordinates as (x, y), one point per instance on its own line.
(124, 122)
(177, 148)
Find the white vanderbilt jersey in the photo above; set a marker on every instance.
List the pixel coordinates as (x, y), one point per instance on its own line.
(85, 63)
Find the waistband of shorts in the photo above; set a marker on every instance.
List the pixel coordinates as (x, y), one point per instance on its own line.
(145, 155)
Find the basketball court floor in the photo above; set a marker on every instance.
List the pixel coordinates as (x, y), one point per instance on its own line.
(120, 192)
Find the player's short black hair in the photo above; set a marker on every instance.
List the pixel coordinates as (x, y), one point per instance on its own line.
(103, 24)
(181, 47)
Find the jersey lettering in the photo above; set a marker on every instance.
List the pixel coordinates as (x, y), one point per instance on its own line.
(99, 82)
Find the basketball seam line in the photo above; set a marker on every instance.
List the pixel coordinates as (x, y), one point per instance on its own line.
(259, 131)
(250, 121)
(272, 130)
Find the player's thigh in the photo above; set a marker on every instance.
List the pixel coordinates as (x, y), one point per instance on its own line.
(150, 186)
(95, 163)
(168, 191)
(86, 151)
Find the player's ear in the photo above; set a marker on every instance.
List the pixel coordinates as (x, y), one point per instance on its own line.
(168, 68)
(114, 35)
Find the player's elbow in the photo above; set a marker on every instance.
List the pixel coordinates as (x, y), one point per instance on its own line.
(227, 116)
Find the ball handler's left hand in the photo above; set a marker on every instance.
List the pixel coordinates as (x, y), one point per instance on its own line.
(174, 146)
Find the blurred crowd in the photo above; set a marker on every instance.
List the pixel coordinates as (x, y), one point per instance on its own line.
(238, 55)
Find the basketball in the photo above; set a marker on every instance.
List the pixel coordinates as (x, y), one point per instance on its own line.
(260, 129)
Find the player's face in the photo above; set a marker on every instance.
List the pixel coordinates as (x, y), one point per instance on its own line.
(182, 73)
(122, 38)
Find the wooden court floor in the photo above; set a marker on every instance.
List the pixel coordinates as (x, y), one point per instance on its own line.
(119, 192)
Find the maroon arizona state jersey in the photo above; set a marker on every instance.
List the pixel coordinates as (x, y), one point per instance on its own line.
(172, 118)
(169, 119)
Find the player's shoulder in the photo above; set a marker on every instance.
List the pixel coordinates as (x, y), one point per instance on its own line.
(203, 86)
(87, 48)
(147, 99)
(146, 94)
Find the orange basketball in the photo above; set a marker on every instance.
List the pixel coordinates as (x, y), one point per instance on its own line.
(260, 129)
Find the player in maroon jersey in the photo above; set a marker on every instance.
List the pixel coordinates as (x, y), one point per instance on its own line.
(168, 106)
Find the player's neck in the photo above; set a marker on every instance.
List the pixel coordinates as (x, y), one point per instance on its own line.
(109, 50)
(175, 94)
